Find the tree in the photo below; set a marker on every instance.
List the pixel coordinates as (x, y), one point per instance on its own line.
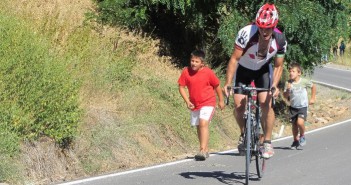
(311, 26)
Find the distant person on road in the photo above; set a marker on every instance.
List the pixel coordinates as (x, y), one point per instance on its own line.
(335, 50)
(257, 46)
(203, 85)
(296, 92)
(342, 48)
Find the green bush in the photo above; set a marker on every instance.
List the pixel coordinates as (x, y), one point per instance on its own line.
(37, 94)
(311, 27)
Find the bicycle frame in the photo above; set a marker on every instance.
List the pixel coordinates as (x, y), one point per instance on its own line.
(253, 130)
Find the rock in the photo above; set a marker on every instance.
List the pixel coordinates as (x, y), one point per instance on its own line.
(329, 119)
(320, 120)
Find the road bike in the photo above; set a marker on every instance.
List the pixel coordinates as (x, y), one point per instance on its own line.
(253, 131)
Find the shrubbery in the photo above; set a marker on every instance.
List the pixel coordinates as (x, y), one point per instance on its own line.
(311, 27)
(37, 95)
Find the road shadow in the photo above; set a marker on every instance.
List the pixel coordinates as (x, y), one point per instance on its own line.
(287, 148)
(228, 153)
(221, 176)
(215, 153)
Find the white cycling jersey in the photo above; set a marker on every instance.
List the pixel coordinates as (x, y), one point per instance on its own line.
(247, 41)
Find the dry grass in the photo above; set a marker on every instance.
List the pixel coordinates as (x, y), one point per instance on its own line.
(346, 59)
(57, 17)
(107, 134)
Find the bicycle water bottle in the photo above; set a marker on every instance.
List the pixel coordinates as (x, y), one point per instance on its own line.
(253, 95)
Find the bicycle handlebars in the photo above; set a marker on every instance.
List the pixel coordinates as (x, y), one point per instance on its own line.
(248, 89)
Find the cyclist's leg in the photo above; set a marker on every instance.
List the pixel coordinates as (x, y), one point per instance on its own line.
(263, 80)
(267, 117)
(243, 77)
(239, 110)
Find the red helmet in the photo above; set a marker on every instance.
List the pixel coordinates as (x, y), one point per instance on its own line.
(267, 16)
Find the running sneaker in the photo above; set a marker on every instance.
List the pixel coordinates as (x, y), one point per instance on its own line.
(295, 144)
(302, 141)
(268, 150)
(241, 147)
(201, 156)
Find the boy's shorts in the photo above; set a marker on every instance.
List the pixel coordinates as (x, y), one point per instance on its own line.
(295, 113)
(205, 113)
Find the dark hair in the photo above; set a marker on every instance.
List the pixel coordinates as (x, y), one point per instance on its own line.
(198, 53)
(295, 65)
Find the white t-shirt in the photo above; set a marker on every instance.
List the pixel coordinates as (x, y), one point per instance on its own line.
(247, 41)
(298, 93)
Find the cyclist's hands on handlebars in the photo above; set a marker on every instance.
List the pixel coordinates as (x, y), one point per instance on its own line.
(226, 90)
(275, 91)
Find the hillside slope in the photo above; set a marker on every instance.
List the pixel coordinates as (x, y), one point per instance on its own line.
(133, 113)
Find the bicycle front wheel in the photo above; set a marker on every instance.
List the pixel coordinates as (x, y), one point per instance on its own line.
(248, 138)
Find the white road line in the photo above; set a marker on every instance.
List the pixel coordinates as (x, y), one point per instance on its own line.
(187, 160)
(126, 172)
(333, 86)
(336, 68)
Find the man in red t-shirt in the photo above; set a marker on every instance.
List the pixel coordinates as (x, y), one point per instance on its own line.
(202, 83)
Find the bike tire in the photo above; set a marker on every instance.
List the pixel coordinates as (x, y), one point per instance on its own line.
(260, 161)
(248, 148)
(260, 165)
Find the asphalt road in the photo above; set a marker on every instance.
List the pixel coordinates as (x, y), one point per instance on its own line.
(338, 78)
(325, 160)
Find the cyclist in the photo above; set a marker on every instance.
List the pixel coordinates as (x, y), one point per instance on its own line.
(256, 45)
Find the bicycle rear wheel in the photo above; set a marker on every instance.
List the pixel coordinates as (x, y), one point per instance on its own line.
(260, 164)
(260, 161)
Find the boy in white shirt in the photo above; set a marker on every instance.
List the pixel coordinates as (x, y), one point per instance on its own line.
(296, 92)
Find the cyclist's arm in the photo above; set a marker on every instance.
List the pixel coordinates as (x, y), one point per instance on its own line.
(232, 65)
(278, 70)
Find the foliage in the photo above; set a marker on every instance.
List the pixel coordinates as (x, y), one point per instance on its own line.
(38, 96)
(311, 26)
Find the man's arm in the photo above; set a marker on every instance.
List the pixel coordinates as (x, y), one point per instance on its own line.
(231, 68)
(277, 74)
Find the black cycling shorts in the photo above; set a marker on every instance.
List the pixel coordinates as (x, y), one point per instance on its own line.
(261, 77)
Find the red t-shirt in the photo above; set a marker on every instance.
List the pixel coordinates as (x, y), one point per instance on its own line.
(201, 85)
